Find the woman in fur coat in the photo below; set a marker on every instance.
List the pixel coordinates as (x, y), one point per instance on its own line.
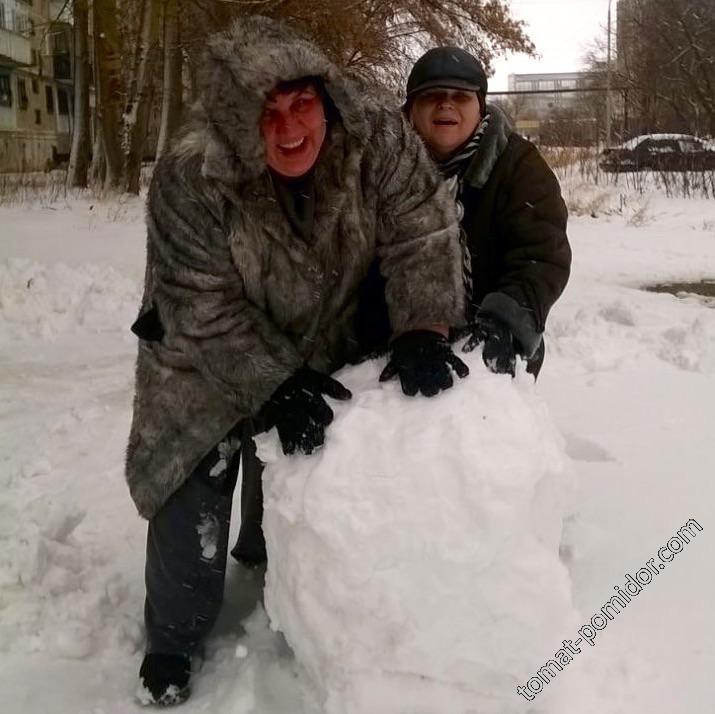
(263, 218)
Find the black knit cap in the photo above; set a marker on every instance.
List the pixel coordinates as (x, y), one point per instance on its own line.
(450, 67)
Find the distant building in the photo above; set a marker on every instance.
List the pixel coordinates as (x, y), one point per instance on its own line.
(549, 82)
(35, 85)
(545, 101)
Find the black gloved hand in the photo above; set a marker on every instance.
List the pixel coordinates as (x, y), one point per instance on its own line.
(499, 351)
(422, 359)
(299, 412)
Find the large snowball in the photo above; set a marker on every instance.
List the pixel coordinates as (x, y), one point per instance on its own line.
(413, 561)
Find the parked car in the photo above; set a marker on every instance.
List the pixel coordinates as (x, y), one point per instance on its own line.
(659, 152)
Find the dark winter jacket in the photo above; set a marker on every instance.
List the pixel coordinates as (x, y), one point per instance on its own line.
(515, 223)
(515, 226)
(242, 300)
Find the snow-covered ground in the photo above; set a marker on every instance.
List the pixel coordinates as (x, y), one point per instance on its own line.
(629, 381)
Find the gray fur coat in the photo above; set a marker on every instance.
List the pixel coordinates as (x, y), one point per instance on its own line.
(242, 300)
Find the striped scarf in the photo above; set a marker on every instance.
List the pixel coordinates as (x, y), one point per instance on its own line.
(456, 165)
(453, 170)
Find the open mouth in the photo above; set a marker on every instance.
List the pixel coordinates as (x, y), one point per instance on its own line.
(445, 122)
(293, 147)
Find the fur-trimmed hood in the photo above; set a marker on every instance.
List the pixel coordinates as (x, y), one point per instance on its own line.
(240, 66)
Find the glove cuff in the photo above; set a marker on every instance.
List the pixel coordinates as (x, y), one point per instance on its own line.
(517, 318)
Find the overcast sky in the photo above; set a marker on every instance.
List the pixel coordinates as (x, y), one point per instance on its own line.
(562, 31)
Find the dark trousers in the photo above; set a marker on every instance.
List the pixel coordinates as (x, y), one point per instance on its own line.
(187, 544)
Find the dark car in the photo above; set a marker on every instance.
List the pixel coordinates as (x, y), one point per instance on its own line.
(659, 152)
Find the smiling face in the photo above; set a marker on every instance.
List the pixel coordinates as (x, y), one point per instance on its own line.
(293, 128)
(445, 118)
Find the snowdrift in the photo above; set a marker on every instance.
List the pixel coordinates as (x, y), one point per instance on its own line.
(413, 561)
(48, 301)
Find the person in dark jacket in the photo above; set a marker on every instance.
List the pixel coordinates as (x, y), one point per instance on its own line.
(263, 219)
(513, 218)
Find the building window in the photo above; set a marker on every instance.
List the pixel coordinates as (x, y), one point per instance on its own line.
(35, 87)
(63, 105)
(21, 23)
(60, 43)
(38, 116)
(22, 94)
(49, 100)
(5, 91)
(62, 66)
(3, 19)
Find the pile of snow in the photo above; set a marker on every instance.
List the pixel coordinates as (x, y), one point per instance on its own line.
(619, 333)
(413, 562)
(60, 595)
(44, 301)
(67, 357)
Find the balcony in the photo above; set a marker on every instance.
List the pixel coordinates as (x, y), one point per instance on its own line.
(62, 66)
(14, 48)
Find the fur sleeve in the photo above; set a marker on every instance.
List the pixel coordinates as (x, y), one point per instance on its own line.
(418, 233)
(199, 293)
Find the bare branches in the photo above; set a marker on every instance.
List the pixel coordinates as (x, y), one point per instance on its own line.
(374, 39)
(666, 58)
(376, 34)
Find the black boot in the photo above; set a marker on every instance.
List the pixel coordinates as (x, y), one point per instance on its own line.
(164, 679)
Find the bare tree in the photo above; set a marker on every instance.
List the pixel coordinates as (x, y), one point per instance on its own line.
(666, 60)
(172, 88)
(98, 167)
(377, 38)
(137, 107)
(515, 106)
(108, 87)
(374, 39)
(80, 152)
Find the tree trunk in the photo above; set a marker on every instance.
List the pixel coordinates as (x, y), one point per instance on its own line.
(98, 169)
(108, 82)
(136, 116)
(79, 154)
(172, 87)
(193, 72)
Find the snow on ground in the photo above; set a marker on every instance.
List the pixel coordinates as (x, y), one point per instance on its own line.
(629, 381)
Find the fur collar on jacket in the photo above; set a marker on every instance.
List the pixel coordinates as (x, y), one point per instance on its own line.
(240, 66)
(491, 147)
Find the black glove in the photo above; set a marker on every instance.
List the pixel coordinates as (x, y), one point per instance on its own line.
(299, 412)
(499, 351)
(422, 359)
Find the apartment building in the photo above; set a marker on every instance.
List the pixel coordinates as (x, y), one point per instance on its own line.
(545, 100)
(35, 85)
(542, 104)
